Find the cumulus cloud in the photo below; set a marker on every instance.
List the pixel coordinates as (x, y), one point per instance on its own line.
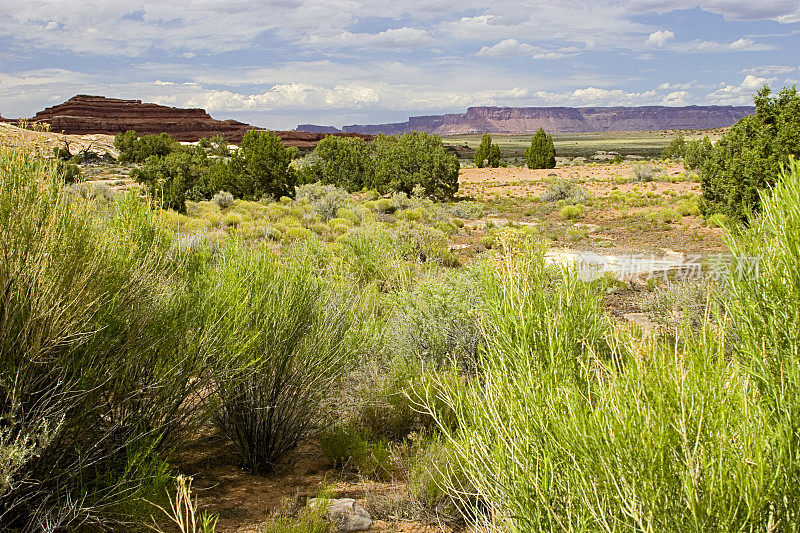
(659, 38)
(741, 94)
(676, 98)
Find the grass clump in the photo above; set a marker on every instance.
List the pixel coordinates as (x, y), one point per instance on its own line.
(571, 212)
(681, 303)
(573, 422)
(268, 319)
(97, 352)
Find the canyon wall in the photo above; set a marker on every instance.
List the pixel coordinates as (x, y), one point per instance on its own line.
(562, 120)
(84, 114)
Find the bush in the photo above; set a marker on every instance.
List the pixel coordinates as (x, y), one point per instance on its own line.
(542, 152)
(691, 434)
(417, 158)
(566, 191)
(749, 157)
(764, 287)
(261, 166)
(388, 396)
(97, 353)
(467, 209)
(345, 162)
(682, 303)
(437, 322)
(644, 173)
(223, 199)
(696, 153)
(172, 177)
(349, 447)
(438, 484)
(326, 200)
(133, 149)
(283, 342)
(676, 149)
(571, 212)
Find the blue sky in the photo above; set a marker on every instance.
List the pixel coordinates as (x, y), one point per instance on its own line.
(279, 63)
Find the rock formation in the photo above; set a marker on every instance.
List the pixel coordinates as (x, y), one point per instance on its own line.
(84, 114)
(561, 120)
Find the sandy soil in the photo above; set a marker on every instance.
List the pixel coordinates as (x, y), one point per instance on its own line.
(245, 501)
(598, 179)
(608, 228)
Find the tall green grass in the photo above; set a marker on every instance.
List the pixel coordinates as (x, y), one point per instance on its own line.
(283, 339)
(574, 424)
(96, 352)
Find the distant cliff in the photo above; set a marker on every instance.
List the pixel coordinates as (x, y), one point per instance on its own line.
(560, 120)
(84, 114)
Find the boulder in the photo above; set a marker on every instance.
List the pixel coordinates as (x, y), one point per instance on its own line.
(346, 514)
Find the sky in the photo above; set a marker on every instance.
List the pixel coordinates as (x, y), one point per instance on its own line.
(280, 63)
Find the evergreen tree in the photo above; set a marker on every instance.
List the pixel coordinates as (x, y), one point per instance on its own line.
(542, 152)
(262, 165)
(488, 153)
(749, 157)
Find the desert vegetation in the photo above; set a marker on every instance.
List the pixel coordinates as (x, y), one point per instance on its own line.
(258, 309)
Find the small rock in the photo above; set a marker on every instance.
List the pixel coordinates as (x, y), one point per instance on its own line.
(346, 514)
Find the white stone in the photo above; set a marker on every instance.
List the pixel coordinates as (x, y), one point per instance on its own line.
(346, 514)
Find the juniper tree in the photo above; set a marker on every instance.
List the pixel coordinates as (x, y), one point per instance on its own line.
(542, 152)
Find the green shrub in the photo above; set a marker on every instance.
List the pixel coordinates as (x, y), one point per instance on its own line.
(676, 149)
(387, 409)
(569, 424)
(437, 322)
(645, 173)
(97, 352)
(172, 178)
(467, 209)
(268, 320)
(541, 153)
(438, 485)
(686, 207)
(696, 153)
(133, 149)
(763, 304)
(571, 212)
(262, 166)
(566, 191)
(681, 303)
(417, 158)
(749, 157)
(345, 162)
(422, 243)
(223, 199)
(346, 446)
(326, 200)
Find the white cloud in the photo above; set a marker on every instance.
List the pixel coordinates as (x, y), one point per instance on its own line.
(769, 70)
(741, 94)
(514, 48)
(404, 37)
(507, 48)
(783, 11)
(659, 38)
(676, 98)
